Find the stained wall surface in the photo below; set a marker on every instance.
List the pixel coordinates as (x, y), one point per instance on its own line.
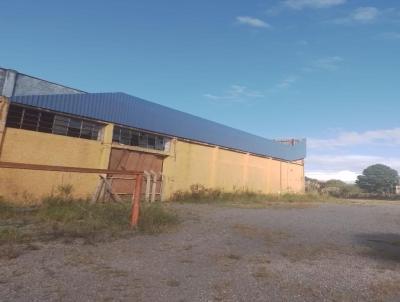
(228, 170)
(186, 163)
(23, 146)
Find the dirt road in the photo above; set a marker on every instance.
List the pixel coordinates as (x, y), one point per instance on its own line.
(328, 252)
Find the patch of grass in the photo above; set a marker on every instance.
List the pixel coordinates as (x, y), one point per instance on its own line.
(233, 256)
(263, 273)
(308, 252)
(9, 210)
(155, 217)
(11, 235)
(222, 290)
(6, 209)
(12, 242)
(173, 283)
(81, 219)
(201, 194)
(63, 218)
(252, 232)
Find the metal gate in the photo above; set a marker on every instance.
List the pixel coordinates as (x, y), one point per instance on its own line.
(150, 164)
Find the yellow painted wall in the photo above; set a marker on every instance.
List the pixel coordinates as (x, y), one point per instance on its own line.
(228, 170)
(23, 146)
(187, 164)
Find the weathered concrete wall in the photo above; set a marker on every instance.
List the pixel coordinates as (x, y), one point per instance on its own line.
(228, 170)
(32, 147)
(13, 83)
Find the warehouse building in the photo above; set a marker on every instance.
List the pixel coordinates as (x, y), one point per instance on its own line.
(44, 123)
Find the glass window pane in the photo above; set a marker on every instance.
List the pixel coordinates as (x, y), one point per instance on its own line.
(87, 129)
(96, 132)
(125, 136)
(30, 119)
(160, 143)
(14, 116)
(135, 138)
(151, 141)
(143, 140)
(74, 128)
(60, 125)
(117, 134)
(46, 122)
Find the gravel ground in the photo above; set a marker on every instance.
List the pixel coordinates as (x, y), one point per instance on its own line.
(329, 252)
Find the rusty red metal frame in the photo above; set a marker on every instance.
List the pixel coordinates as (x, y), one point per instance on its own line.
(136, 201)
(12, 165)
(138, 180)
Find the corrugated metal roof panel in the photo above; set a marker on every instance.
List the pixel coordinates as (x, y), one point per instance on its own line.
(123, 109)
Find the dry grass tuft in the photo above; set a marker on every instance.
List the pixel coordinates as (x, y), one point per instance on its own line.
(156, 217)
(253, 232)
(173, 283)
(233, 256)
(262, 273)
(243, 197)
(63, 218)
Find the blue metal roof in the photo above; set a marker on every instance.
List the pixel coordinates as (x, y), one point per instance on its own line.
(124, 109)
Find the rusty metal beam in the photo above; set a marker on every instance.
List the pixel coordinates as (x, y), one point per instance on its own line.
(12, 165)
(136, 201)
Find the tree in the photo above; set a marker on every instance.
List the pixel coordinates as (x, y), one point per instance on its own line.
(338, 188)
(378, 179)
(336, 183)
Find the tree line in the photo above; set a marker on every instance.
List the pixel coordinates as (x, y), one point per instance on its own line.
(375, 181)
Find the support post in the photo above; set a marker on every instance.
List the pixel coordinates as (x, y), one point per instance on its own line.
(4, 104)
(136, 201)
(148, 180)
(153, 186)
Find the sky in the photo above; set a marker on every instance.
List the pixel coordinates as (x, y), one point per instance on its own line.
(325, 70)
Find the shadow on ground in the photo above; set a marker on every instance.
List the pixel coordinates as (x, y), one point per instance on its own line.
(381, 246)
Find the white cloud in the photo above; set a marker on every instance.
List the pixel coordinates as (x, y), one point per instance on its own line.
(365, 14)
(351, 162)
(300, 4)
(324, 64)
(254, 22)
(361, 15)
(339, 157)
(236, 93)
(327, 63)
(287, 82)
(345, 175)
(388, 137)
(344, 167)
(390, 36)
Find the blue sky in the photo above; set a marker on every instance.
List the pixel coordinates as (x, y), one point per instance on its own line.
(328, 70)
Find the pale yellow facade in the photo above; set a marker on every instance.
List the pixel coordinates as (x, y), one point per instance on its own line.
(23, 146)
(214, 167)
(31, 147)
(186, 163)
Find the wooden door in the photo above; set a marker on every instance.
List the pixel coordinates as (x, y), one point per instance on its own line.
(129, 160)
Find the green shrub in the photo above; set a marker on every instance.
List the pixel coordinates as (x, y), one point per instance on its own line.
(62, 217)
(201, 194)
(10, 236)
(6, 209)
(155, 217)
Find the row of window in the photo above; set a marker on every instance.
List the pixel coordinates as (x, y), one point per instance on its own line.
(43, 121)
(131, 137)
(49, 122)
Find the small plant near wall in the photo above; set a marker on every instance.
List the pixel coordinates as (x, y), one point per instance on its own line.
(66, 219)
(200, 194)
(65, 191)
